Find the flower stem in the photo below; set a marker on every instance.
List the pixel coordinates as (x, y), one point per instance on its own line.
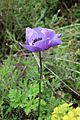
(40, 77)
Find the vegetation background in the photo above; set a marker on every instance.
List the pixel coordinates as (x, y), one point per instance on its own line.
(18, 68)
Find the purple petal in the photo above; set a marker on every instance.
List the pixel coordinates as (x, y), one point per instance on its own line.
(30, 48)
(41, 35)
(31, 34)
(48, 32)
(38, 29)
(58, 35)
(55, 41)
(43, 44)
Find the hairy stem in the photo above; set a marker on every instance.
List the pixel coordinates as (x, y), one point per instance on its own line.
(40, 77)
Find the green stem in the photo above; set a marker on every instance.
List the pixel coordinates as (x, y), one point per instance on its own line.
(40, 77)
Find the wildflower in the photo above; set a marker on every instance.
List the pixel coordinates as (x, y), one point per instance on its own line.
(66, 112)
(40, 39)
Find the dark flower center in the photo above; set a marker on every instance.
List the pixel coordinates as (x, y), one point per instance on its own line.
(36, 40)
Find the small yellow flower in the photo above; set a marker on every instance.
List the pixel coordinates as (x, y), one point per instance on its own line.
(70, 114)
(77, 110)
(56, 110)
(65, 112)
(54, 117)
(65, 117)
(78, 118)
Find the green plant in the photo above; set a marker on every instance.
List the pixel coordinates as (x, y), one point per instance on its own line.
(24, 99)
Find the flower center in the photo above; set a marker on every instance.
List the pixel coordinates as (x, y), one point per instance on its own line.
(36, 40)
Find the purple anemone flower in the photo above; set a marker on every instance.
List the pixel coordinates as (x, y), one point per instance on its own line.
(40, 39)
